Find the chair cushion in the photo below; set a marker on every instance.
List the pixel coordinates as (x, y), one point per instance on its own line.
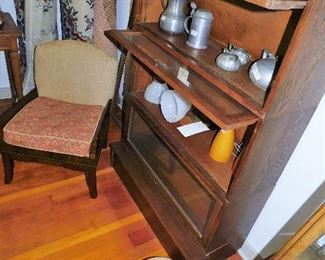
(57, 126)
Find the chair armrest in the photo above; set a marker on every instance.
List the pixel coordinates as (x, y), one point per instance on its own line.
(13, 110)
(99, 140)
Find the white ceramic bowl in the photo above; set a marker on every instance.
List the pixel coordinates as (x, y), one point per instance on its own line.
(173, 106)
(154, 91)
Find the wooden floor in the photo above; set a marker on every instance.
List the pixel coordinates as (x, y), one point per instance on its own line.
(46, 213)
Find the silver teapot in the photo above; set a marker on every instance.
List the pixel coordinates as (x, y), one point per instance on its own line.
(261, 72)
(242, 54)
(228, 61)
(172, 19)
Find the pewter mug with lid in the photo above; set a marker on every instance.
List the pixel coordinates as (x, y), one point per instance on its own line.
(200, 28)
(172, 19)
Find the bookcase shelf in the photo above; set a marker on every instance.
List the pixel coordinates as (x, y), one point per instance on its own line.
(279, 4)
(224, 111)
(195, 148)
(235, 84)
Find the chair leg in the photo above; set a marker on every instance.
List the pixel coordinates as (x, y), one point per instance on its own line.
(8, 165)
(91, 183)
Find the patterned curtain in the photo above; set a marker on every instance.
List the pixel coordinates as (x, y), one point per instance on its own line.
(36, 20)
(40, 26)
(19, 6)
(104, 19)
(77, 19)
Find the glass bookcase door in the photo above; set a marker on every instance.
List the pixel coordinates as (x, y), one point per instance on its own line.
(190, 197)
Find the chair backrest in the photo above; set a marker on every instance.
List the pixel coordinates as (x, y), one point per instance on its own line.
(74, 71)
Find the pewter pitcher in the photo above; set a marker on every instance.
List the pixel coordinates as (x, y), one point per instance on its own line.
(172, 19)
(261, 72)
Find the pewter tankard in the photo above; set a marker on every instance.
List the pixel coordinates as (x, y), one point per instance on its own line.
(200, 28)
(172, 19)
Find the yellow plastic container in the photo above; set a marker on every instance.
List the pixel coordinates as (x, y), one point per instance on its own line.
(222, 146)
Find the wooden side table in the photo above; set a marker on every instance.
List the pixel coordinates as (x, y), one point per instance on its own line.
(8, 43)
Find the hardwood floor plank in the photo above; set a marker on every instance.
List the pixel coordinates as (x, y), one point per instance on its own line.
(78, 238)
(28, 175)
(53, 218)
(53, 215)
(31, 175)
(112, 245)
(160, 252)
(45, 188)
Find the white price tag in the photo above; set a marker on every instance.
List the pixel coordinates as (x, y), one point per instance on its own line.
(194, 33)
(192, 129)
(182, 75)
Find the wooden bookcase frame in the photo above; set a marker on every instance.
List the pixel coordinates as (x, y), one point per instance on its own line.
(275, 127)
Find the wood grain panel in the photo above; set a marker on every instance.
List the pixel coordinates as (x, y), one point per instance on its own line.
(153, 11)
(293, 105)
(280, 4)
(248, 26)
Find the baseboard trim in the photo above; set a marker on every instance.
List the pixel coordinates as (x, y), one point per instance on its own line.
(248, 252)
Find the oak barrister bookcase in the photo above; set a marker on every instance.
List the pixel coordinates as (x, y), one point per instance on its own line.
(201, 209)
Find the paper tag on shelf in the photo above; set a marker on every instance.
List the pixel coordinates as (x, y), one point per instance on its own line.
(192, 129)
(182, 75)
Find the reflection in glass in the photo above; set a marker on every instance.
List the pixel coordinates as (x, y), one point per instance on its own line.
(316, 251)
(192, 199)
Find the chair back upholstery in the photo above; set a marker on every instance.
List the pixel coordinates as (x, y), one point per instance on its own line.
(74, 71)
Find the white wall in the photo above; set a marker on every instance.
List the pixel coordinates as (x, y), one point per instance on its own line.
(122, 17)
(303, 174)
(122, 13)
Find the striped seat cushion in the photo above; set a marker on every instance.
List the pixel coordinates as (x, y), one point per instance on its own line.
(51, 125)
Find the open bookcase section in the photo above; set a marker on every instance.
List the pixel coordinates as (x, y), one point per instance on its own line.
(193, 149)
(237, 84)
(215, 104)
